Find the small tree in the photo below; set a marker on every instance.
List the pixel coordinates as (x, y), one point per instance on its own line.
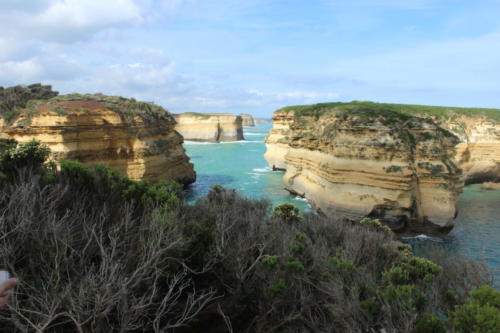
(287, 212)
(32, 154)
(481, 313)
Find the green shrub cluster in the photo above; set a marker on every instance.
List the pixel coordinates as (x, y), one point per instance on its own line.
(97, 252)
(404, 110)
(481, 313)
(127, 108)
(287, 213)
(13, 99)
(375, 225)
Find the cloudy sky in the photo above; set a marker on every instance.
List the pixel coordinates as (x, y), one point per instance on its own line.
(257, 55)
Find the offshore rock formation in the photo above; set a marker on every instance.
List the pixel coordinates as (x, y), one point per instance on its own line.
(363, 159)
(213, 127)
(136, 138)
(262, 121)
(247, 119)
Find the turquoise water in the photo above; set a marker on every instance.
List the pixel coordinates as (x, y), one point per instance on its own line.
(477, 229)
(241, 165)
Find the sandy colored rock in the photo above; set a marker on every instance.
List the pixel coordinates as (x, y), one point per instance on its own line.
(247, 119)
(377, 163)
(136, 138)
(213, 127)
(478, 153)
(490, 186)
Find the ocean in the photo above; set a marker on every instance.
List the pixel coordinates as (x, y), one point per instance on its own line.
(241, 165)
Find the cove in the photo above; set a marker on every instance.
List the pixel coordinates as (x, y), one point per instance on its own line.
(240, 165)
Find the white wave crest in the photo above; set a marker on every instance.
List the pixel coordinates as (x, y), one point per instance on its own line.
(265, 169)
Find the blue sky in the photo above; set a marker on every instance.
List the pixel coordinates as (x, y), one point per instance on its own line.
(256, 56)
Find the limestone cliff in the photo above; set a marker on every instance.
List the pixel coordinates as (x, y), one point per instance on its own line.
(247, 119)
(478, 153)
(136, 138)
(359, 159)
(209, 127)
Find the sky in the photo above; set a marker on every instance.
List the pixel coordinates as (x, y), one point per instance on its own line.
(256, 56)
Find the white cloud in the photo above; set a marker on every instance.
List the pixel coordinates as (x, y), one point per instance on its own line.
(140, 76)
(20, 72)
(66, 20)
(298, 95)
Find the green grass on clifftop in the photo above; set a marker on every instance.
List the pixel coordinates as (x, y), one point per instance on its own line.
(439, 112)
(127, 108)
(197, 114)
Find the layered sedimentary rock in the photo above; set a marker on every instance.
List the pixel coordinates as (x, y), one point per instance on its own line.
(479, 149)
(354, 160)
(247, 119)
(213, 127)
(136, 138)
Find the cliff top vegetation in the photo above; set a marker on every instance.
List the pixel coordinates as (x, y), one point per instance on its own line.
(197, 114)
(437, 112)
(14, 99)
(125, 107)
(26, 100)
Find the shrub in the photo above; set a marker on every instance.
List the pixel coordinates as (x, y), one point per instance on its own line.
(287, 212)
(413, 270)
(481, 313)
(96, 251)
(13, 99)
(32, 154)
(78, 175)
(430, 324)
(376, 225)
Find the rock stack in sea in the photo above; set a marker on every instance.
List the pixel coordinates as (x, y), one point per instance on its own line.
(358, 159)
(247, 119)
(209, 127)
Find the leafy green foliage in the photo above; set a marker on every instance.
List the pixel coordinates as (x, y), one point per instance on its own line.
(32, 154)
(413, 270)
(127, 108)
(404, 110)
(375, 225)
(409, 296)
(269, 262)
(430, 324)
(275, 288)
(102, 242)
(481, 313)
(294, 265)
(287, 212)
(166, 192)
(13, 99)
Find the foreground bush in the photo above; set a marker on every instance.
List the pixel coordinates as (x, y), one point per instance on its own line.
(97, 252)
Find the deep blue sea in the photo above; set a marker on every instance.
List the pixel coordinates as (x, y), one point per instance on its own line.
(241, 165)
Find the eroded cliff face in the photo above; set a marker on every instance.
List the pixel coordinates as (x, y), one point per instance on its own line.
(136, 138)
(478, 153)
(213, 127)
(247, 119)
(377, 163)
